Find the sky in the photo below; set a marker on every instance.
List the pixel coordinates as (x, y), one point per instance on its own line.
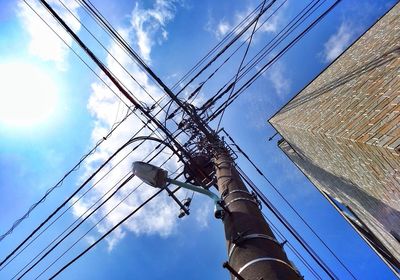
(54, 109)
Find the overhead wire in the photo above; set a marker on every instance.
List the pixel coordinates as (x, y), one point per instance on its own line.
(127, 179)
(108, 28)
(299, 18)
(262, 69)
(204, 58)
(99, 221)
(80, 197)
(135, 55)
(241, 63)
(231, 55)
(112, 56)
(72, 50)
(60, 182)
(82, 61)
(216, 47)
(106, 234)
(151, 119)
(67, 209)
(87, 216)
(328, 10)
(227, 46)
(68, 199)
(120, 87)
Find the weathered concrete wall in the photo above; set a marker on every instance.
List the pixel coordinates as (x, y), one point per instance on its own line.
(346, 126)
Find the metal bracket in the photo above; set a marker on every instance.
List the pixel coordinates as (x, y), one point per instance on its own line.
(232, 271)
(183, 207)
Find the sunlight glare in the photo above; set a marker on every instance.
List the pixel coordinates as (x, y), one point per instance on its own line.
(28, 95)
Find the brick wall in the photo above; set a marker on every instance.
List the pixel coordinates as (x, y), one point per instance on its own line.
(345, 126)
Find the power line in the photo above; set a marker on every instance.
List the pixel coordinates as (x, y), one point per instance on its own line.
(66, 210)
(82, 195)
(238, 48)
(106, 234)
(223, 50)
(220, 93)
(60, 182)
(219, 44)
(69, 198)
(269, 63)
(173, 97)
(107, 27)
(86, 217)
(72, 230)
(149, 116)
(99, 221)
(305, 13)
(111, 55)
(241, 62)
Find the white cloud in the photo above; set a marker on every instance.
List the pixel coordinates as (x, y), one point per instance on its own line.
(338, 42)
(278, 79)
(224, 26)
(148, 23)
(222, 29)
(43, 42)
(160, 216)
(203, 215)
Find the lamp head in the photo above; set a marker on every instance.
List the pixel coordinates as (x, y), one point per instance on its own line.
(150, 174)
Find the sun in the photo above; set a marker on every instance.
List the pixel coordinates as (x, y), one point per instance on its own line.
(28, 95)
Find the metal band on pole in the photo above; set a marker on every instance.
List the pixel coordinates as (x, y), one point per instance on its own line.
(249, 237)
(266, 260)
(237, 191)
(240, 199)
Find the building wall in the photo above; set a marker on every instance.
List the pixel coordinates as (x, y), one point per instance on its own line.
(345, 125)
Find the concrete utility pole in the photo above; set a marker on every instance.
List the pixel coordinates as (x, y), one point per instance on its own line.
(253, 251)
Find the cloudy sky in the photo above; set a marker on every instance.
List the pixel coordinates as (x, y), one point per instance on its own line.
(56, 105)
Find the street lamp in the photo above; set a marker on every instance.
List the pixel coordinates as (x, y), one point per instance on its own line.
(158, 178)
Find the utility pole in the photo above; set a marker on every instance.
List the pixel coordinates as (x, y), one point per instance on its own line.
(253, 251)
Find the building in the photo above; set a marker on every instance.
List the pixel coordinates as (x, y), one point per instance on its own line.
(343, 131)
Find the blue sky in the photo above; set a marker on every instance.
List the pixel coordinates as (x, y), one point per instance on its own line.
(54, 110)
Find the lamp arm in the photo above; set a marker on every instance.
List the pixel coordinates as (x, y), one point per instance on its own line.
(194, 188)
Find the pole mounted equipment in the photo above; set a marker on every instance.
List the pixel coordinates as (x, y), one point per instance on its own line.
(158, 178)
